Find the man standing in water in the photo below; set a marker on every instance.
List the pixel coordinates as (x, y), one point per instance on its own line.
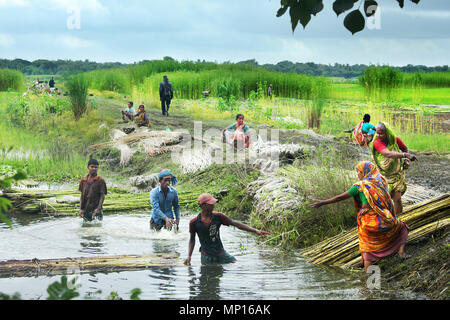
(93, 191)
(165, 95)
(207, 225)
(163, 198)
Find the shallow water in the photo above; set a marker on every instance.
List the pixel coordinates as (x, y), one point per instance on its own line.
(262, 272)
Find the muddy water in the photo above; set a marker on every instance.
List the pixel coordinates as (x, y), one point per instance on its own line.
(261, 272)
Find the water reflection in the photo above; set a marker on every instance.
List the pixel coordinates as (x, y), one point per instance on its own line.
(207, 286)
(92, 244)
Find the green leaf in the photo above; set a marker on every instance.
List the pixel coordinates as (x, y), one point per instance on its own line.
(340, 6)
(295, 12)
(316, 8)
(281, 11)
(60, 291)
(135, 293)
(354, 21)
(370, 7)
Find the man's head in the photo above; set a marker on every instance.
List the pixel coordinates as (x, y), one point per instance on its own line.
(366, 118)
(206, 201)
(165, 78)
(93, 167)
(240, 119)
(165, 177)
(130, 104)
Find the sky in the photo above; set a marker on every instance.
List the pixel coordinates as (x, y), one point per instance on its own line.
(220, 30)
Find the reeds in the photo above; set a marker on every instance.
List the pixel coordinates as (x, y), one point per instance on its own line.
(78, 87)
(11, 80)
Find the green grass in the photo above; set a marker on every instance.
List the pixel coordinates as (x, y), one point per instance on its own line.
(355, 92)
(49, 145)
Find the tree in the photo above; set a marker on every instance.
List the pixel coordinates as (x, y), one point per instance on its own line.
(301, 11)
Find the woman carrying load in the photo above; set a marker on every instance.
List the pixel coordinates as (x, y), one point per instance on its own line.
(380, 232)
(364, 132)
(391, 156)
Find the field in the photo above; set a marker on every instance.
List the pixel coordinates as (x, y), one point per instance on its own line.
(47, 139)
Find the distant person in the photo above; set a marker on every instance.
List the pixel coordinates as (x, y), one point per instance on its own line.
(142, 119)
(93, 191)
(237, 133)
(269, 91)
(129, 112)
(51, 84)
(165, 95)
(364, 131)
(206, 225)
(164, 200)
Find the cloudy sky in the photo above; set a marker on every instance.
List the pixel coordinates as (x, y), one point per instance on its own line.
(219, 30)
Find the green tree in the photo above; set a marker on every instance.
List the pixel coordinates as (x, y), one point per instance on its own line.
(302, 10)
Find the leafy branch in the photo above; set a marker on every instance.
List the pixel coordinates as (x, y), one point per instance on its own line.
(302, 10)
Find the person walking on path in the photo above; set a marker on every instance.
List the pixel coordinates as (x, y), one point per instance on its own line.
(163, 198)
(269, 91)
(165, 95)
(207, 224)
(93, 192)
(391, 156)
(380, 232)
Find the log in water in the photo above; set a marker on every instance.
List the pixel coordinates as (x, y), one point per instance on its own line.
(36, 267)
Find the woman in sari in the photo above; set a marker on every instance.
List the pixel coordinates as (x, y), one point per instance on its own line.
(391, 157)
(237, 133)
(380, 232)
(364, 132)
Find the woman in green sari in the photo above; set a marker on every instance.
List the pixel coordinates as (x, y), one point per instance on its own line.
(391, 156)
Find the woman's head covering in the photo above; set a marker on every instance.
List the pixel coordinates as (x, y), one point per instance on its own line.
(168, 173)
(371, 174)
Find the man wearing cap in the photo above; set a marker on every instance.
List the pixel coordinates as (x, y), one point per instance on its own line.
(93, 191)
(163, 199)
(207, 225)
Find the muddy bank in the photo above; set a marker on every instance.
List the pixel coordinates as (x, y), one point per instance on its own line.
(426, 271)
(431, 172)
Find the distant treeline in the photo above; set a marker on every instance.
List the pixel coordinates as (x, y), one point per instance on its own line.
(65, 67)
(339, 70)
(58, 67)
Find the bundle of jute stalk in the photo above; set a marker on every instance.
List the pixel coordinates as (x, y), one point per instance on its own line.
(117, 200)
(422, 218)
(160, 138)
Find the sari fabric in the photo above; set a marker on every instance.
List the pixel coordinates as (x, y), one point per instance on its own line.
(377, 225)
(391, 169)
(358, 135)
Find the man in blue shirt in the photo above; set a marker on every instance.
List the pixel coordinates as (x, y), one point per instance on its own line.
(163, 198)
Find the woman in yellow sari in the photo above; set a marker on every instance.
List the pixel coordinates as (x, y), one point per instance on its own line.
(380, 232)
